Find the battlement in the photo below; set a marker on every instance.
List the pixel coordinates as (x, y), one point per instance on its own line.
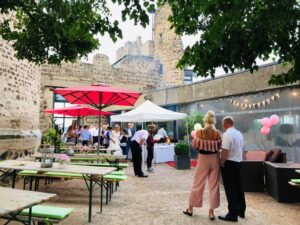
(135, 48)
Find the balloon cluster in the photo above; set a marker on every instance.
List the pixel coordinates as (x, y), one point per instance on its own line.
(197, 126)
(267, 123)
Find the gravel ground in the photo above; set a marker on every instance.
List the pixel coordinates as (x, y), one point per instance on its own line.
(159, 200)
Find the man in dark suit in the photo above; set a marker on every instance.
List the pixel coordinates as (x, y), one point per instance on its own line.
(130, 131)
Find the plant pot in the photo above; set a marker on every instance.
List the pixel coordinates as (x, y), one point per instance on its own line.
(182, 162)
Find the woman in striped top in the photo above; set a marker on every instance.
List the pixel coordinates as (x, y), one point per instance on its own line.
(208, 142)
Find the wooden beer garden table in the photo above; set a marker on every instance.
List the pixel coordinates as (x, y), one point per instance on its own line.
(13, 201)
(91, 175)
(113, 160)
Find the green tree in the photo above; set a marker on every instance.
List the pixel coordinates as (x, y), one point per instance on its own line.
(190, 121)
(233, 34)
(53, 31)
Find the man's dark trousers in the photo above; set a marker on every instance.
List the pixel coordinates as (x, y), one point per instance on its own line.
(150, 157)
(233, 187)
(136, 151)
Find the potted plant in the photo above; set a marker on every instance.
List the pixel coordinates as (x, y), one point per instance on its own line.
(181, 157)
(63, 160)
(52, 137)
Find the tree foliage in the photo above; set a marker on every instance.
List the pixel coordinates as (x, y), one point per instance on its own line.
(53, 31)
(190, 121)
(233, 34)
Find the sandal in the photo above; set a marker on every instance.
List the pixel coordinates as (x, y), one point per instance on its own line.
(186, 212)
(211, 216)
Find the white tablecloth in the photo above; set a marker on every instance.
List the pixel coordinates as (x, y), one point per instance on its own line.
(162, 153)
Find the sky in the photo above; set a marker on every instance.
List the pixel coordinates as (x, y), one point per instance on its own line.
(131, 32)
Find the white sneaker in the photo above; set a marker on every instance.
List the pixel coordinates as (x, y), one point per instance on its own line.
(150, 170)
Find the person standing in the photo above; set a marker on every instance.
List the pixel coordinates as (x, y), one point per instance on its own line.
(106, 139)
(70, 135)
(231, 162)
(163, 133)
(123, 140)
(94, 133)
(114, 141)
(85, 135)
(130, 133)
(208, 143)
(137, 141)
(150, 147)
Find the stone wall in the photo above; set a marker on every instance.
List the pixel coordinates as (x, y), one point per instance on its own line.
(148, 48)
(133, 72)
(136, 48)
(168, 48)
(19, 103)
(224, 86)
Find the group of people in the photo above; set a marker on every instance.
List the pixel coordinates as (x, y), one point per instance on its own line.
(115, 139)
(218, 154)
(74, 134)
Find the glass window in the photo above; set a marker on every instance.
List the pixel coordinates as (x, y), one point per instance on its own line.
(247, 111)
(63, 122)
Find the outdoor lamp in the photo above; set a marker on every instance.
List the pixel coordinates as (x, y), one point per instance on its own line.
(47, 157)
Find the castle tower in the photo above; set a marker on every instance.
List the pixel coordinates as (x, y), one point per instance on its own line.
(168, 48)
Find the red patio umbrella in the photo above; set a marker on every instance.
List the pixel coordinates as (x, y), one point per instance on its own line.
(99, 96)
(77, 111)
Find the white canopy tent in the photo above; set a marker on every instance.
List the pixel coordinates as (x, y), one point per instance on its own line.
(148, 112)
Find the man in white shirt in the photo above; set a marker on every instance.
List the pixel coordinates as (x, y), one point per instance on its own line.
(94, 132)
(231, 161)
(137, 141)
(162, 132)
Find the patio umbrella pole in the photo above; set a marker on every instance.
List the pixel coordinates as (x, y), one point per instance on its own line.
(99, 124)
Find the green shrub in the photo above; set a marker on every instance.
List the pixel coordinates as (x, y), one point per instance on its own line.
(190, 121)
(52, 137)
(182, 148)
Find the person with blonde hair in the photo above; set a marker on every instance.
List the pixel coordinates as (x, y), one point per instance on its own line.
(207, 142)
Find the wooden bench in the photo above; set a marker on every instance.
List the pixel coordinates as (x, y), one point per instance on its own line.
(109, 180)
(47, 214)
(106, 164)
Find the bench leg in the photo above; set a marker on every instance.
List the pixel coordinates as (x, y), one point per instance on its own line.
(30, 215)
(37, 181)
(110, 191)
(101, 194)
(24, 183)
(30, 183)
(107, 187)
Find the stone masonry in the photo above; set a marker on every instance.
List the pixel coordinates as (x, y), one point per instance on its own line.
(19, 104)
(139, 66)
(168, 48)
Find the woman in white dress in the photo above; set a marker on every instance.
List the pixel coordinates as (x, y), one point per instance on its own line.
(114, 142)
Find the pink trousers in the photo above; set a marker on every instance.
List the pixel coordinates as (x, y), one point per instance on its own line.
(208, 167)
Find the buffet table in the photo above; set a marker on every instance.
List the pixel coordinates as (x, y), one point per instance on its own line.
(162, 153)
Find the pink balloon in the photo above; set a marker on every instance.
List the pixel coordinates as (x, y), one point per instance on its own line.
(266, 122)
(193, 133)
(265, 130)
(274, 119)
